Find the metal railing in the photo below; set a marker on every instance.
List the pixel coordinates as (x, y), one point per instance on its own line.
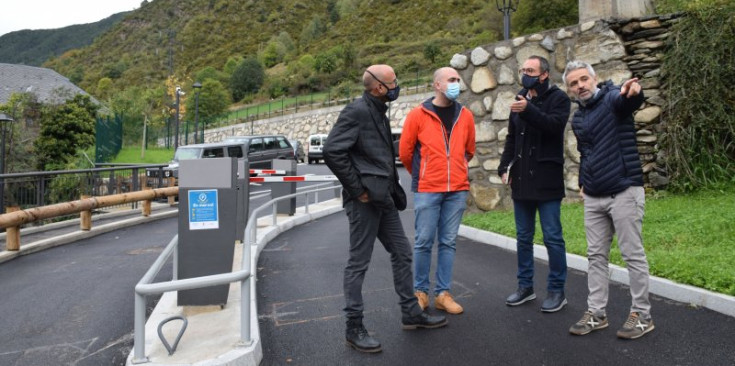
(34, 189)
(145, 287)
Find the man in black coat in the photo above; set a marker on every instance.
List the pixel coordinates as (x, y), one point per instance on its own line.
(533, 164)
(359, 151)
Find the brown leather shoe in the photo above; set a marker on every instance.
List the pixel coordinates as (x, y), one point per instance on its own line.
(445, 302)
(423, 298)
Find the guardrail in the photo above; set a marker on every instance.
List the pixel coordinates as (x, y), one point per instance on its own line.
(145, 287)
(12, 220)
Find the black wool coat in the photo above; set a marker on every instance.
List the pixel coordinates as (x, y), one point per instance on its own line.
(359, 149)
(534, 147)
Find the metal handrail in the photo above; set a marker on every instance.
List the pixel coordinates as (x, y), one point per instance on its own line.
(145, 286)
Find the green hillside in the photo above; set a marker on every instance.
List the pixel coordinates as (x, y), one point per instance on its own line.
(34, 47)
(180, 38)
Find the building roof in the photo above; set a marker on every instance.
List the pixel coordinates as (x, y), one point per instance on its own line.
(48, 85)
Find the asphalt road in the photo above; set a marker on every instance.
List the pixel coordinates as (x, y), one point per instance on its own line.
(301, 320)
(73, 304)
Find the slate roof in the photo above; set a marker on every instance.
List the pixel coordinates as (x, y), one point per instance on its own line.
(48, 85)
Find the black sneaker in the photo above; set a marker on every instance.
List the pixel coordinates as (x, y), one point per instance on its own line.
(635, 327)
(588, 323)
(423, 320)
(358, 338)
(522, 295)
(554, 302)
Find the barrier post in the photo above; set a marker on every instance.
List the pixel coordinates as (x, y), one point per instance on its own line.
(287, 207)
(85, 217)
(146, 208)
(12, 234)
(171, 183)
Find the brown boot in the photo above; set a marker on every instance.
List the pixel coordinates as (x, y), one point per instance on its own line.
(445, 302)
(423, 298)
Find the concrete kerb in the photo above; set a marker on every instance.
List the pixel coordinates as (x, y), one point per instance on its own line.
(79, 235)
(694, 296)
(213, 335)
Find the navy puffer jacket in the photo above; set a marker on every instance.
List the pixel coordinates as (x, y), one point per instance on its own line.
(606, 141)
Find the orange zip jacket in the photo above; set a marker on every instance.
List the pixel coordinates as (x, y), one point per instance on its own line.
(437, 163)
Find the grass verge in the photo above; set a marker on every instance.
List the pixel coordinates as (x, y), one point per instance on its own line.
(688, 238)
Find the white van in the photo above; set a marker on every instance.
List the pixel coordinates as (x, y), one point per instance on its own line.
(316, 144)
(395, 134)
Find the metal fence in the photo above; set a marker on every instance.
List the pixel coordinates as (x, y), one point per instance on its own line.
(34, 189)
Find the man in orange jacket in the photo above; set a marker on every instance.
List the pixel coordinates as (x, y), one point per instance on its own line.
(437, 142)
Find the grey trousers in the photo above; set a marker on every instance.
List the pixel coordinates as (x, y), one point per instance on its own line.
(620, 214)
(367, 222)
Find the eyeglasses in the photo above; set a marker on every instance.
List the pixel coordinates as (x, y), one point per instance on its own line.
(395, 81)
(529, 72)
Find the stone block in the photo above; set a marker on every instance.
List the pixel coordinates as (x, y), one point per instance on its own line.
(653, 23)
(518, 41)
(488, 103)
(506, 76)
(503, 52)
(477, 108)
(648, 115)
(482, 80)
(564, 34)
(535, 37)
(548, 44)
(501, 108)
(458, 61)
(595, 48)
(491, 164)
(586, 26)
(502, 134)
(571, 146)
(486, 198)
(484, 132)
(523, 53)
(479, 56)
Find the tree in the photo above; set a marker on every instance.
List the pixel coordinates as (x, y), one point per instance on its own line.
(213, 101)
(431, 51)
(535, 16)
(247, 78)
(65, 129)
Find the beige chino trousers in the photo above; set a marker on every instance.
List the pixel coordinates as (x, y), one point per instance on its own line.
(620, 214)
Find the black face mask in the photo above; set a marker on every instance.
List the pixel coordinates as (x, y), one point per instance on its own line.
(391, 94)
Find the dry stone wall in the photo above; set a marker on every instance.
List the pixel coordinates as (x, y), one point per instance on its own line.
(617, 49)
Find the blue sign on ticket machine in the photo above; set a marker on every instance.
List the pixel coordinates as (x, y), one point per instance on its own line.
(208, 207)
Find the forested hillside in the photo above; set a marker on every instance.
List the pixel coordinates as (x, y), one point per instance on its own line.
(304, 45)
(34, 47)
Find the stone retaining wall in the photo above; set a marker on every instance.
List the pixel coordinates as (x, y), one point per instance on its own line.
(617, 49)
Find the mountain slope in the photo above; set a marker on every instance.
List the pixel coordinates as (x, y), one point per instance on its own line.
(34, 47)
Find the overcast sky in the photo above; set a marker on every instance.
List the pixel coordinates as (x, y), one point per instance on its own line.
(50, 14)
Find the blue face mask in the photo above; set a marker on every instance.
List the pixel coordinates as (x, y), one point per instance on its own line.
(392, 94)
(452, 91)
(529, 82)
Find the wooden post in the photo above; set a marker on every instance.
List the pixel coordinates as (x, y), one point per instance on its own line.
(85, 218)
(146, 205)
(171, 183)
(12, 234)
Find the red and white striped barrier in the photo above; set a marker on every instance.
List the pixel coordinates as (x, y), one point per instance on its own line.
(294, 178)
(266, 171)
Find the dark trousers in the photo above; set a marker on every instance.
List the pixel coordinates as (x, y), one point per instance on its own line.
(550, 217)
(367, 222)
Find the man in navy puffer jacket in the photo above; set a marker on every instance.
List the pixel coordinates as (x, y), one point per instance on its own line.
(611, 184)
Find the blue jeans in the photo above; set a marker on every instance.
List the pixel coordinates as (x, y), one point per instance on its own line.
(436, 213)
(549, 215)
